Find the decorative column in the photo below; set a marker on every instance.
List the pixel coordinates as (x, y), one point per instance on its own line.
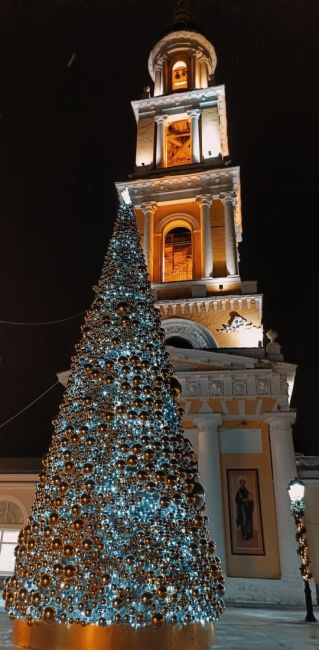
(205, 201)
(158, 89)
(149, 210)
(210, 476)
(160, 119)
(203, 74)
(195, 114)
(284, 470)
(230, 235)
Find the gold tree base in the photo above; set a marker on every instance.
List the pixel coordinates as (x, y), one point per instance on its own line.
(61, 636)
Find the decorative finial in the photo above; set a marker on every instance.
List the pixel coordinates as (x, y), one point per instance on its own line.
(181, 13)
(273, 348)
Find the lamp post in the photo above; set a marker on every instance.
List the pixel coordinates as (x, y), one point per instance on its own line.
(296, 491)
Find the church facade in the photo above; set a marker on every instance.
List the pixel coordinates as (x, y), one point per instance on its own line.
(235, 393)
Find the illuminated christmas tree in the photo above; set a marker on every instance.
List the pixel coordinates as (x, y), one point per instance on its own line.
(117, 543)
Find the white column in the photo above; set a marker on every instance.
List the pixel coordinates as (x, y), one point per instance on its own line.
(230, 235)
(160, 119)
(284, 470)
(203, 74)
(210, 477)
(195, 114)
(158, 86)
(149, 210)
(205, 201)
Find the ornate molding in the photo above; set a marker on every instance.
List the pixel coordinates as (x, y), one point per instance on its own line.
(163, 188)
(197, 335)
(204, 199)
(224, 303)
(189, 99)
(149, 207)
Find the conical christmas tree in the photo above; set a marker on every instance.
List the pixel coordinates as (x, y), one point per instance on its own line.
(117, 543)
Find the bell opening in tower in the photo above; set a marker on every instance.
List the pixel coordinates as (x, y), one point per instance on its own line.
(178, 258)
(179, 75)
(178, 143)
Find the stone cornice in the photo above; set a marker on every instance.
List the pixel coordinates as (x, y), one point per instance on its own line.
(188, 100)
(240, 384)
(183, 186)
(224, 302)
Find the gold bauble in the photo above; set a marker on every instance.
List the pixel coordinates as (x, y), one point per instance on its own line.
(36, 599)
(45, 580)
(48, 614)
(56, 544)
(53, 518)
(157, 619)
(132, 460)
(87, 468)
(123, 307)
(69, 570)
(68, 550)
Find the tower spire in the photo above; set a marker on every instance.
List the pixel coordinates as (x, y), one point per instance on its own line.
(182, 14)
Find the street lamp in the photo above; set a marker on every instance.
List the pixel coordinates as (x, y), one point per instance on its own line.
(296, 491)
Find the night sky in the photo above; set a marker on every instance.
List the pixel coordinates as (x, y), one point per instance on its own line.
(67, 132)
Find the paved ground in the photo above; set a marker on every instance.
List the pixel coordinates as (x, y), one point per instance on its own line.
(242, 629)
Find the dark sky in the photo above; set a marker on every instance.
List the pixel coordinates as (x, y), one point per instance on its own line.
(67, 133)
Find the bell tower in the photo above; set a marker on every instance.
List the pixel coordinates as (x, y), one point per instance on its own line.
(187, 197)
(234, 392)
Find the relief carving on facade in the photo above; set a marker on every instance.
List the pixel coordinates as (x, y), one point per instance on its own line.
(236, 323)
(193, 388)
(283, 384)
(239, 386)
(215, 387)
(263, 386)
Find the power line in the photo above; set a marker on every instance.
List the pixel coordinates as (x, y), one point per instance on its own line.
(28, 405)
(49, 322)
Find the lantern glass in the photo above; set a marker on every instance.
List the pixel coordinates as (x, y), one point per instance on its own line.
(296, 490)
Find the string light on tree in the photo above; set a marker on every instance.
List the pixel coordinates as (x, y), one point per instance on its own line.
(117, 540)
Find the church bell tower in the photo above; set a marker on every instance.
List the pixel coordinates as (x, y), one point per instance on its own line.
(235, 393)
(187, 198)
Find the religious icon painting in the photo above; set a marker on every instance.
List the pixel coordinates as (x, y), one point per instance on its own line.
(246, 531)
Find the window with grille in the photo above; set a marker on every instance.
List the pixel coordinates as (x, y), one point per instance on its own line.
(178, 259)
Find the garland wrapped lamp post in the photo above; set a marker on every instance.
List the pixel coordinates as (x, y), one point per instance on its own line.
(296, 490)
(116, 553)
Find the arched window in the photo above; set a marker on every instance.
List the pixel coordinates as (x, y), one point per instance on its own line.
(179, 75)
(10, 513)
(178, 258)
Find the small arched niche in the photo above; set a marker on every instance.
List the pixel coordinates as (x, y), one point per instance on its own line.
(179, 75)
(178, 254)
